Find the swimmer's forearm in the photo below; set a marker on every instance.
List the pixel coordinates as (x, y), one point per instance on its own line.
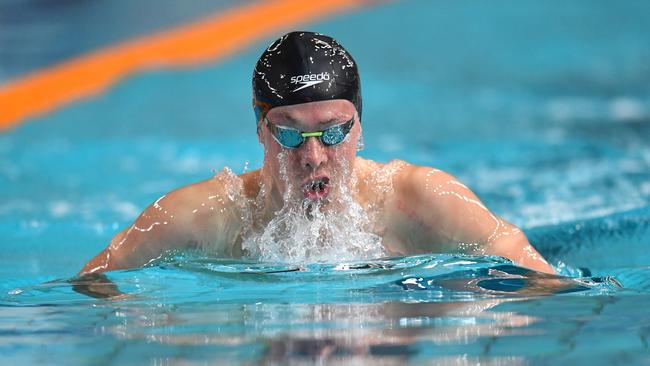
(195, 216)
(150, 235)
(100, 263)
(105, 260)
(134, 248)
(128, 249)
(518, 249)
(131, 250)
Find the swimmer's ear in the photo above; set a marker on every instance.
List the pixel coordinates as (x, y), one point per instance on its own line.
(259, 133)
(360, 141)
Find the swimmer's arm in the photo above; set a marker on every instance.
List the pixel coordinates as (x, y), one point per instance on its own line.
(195, 216)
(435, 211)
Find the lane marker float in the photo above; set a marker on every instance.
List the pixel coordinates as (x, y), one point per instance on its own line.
(199, 42)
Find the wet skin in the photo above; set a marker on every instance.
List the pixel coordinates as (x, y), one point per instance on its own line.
(414, 209)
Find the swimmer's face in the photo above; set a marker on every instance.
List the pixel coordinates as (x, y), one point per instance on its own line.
(311, 171)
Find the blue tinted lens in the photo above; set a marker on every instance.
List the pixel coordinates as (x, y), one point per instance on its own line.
(288, 138)
(292, 138)
(333, 135)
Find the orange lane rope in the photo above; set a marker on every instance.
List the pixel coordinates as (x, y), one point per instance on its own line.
(203, 41)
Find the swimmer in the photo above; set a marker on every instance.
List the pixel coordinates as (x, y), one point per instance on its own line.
(308, 108)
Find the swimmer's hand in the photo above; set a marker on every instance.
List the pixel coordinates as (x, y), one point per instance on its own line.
(97, 285)
(513, 280)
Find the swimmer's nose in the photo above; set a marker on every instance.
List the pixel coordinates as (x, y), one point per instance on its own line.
(313, 154)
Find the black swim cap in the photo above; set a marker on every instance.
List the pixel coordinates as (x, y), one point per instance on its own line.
(302, 67)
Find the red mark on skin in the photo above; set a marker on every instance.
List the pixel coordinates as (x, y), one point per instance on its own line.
(412, 215)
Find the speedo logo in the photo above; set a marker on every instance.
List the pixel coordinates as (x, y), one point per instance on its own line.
(309, 80)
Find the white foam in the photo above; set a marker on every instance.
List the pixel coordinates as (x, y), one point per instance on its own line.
(307, 231)
(626, 109)
(300, 234)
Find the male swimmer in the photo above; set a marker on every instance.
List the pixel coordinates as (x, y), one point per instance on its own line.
(313, 191)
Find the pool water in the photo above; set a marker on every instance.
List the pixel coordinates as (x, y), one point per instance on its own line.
(199, 310)
(543, 110)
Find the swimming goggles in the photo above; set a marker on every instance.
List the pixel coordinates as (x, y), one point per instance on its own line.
(292, 138)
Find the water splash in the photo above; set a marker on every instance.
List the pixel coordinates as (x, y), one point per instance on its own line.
(305, 233)
(315, 231)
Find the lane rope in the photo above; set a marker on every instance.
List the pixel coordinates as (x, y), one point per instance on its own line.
(203, 41)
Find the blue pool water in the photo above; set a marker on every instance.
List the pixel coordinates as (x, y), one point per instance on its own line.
(543, 110)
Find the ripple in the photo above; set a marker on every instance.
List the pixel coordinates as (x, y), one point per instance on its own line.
(187, 278)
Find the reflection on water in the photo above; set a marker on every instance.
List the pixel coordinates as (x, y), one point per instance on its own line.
(323, 331)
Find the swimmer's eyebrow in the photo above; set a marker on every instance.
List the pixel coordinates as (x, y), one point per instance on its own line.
(287, 118)
(331, 121)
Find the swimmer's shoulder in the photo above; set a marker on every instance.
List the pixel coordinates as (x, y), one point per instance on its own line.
(221, 183)
(224, 188)
(398, 170)
(251, 183)
(403, 176)
(377, 179)
(367, 167)
(216, 196)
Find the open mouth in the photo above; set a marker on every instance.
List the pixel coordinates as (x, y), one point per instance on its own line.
(316, 189)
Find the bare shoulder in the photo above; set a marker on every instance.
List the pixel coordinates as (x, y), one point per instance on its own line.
(403, 180)
(198, 213)
(375, 180)
(430, 192)
(218, 192)
(401, 172)
(425, 211)
(367, 164)
(417, 179)
(431, 210)
(377, 173)
(204, 215)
